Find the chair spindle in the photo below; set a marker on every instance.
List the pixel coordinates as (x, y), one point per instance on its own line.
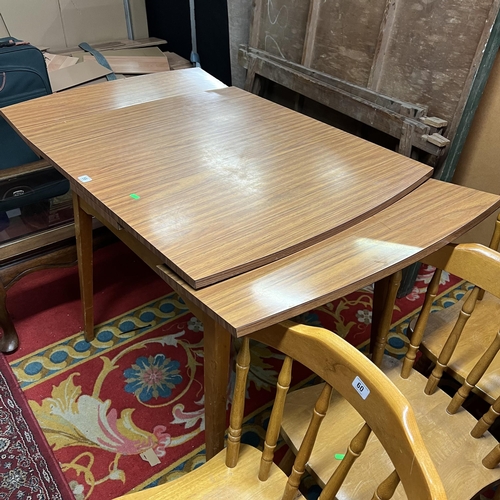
(354, 450)
(238, 405)
(307, 444)
(494, 244)
(451, 343)
(486, 421)
(273, 429)
(418, 333)
(386, 489)
(475, 375)
(492, 459)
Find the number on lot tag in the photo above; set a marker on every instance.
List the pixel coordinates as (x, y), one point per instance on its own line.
(361, 388)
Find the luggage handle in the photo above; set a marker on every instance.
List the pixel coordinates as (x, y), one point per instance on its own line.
(11, 42)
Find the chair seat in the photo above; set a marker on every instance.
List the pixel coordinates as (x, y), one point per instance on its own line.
(456, 455)
(214, 480)
(478, 333)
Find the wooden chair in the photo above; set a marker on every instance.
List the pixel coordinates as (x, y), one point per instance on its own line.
(242, 472)
(465, 454)
(475, 319)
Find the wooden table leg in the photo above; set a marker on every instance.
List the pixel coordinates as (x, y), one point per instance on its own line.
(9, 341)
(383, 306)
(217, 350)
(84, 248)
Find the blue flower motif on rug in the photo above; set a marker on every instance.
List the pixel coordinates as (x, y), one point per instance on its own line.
(152, 377)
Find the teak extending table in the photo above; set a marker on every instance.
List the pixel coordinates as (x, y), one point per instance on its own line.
(252, 212)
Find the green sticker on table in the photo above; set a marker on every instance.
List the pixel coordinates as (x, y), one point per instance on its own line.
(339, 456)
(135, 196)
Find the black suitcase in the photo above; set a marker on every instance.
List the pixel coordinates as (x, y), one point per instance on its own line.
(23, 76)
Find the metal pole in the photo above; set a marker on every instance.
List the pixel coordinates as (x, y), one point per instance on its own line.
(5, 25)
(128, 19)
(195, 58)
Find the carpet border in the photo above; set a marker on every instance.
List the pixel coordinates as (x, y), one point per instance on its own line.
(38, 434)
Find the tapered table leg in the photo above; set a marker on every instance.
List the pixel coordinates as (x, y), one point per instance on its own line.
(217, 350)
(383, 307)
(217, 356)
(84, 248)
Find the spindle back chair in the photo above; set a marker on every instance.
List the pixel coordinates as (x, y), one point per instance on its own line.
(242, 472)
(466, 455)
(475, 320)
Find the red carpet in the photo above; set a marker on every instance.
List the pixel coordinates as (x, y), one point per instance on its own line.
(137, 388)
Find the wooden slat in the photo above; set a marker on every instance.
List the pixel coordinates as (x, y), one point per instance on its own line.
(259, 182)
(346, 38)
(364, 110)
(382, 44)
(253, 36)
(345, 262)
(310, 38)
(247, 53)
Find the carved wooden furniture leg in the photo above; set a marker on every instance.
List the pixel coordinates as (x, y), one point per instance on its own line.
(9, 341)
(83, 232)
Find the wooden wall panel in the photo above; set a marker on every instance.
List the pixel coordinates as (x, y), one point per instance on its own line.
(346, 38)
(359, 57)
(433, 43)
(282, 27)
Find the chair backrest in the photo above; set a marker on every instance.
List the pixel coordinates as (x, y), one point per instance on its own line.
(480, 266)
(384, 409)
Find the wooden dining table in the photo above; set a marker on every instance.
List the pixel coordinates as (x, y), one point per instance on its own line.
(252, 212)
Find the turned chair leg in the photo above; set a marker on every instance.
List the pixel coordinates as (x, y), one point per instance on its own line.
(9, 341)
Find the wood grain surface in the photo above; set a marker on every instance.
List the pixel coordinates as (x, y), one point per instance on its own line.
(227, 181)
(88, 100)
(426, 219)
(215, 481)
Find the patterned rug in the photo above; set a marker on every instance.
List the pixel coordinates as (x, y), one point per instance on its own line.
(125, 411)
(27, 465)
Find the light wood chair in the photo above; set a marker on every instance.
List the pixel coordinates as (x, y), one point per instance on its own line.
(465, 454)
(242, 472)
(475, 319)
